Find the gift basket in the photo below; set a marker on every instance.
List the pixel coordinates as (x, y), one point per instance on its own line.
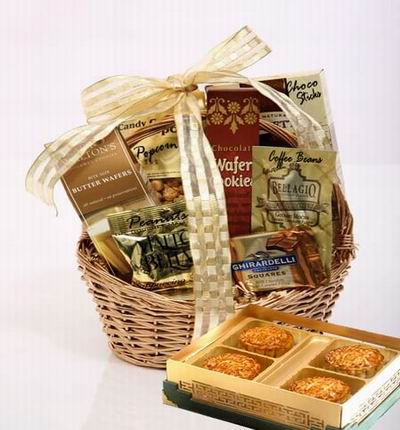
(290, 254)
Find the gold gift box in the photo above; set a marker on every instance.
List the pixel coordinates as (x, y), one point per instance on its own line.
(266, 397)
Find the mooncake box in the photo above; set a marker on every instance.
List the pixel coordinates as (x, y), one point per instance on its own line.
(266, 369)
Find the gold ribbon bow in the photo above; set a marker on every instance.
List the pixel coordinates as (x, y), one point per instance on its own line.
(114, 100)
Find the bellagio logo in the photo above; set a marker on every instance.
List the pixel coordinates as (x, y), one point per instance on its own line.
(294, 195)
(293, 186)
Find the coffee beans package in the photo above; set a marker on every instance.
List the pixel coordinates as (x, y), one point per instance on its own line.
(293, 186)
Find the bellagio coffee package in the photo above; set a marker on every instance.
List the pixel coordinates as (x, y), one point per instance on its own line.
(233, 129)
(293, 186)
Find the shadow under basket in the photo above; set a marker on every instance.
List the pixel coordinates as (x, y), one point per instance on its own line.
(145, 328)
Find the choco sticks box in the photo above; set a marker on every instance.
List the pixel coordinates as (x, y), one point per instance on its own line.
(308, 90)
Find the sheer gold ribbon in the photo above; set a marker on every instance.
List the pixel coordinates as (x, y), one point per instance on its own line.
(114, 100)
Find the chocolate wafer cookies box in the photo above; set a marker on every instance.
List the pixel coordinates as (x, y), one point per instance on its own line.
(233, 129)
(266, 369)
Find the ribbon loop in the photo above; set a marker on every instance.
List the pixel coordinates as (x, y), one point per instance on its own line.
(180, 84)
(177, 82)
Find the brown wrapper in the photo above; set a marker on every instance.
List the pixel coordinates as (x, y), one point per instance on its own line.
(283, 259)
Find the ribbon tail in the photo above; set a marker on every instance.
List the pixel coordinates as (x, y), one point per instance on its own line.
(58, 157)
(237, 52)
(208, 225)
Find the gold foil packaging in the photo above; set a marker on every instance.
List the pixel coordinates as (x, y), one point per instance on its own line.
(293, 186)
(155, 242)
(284, 259)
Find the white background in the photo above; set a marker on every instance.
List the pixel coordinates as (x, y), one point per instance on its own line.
(55, 369)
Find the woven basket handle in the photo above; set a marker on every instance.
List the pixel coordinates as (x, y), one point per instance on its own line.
(279, 132)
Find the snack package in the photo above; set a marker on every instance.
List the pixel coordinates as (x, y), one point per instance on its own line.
(106, 180)
(293, 186)
(155, 242)
(158, 156)
(133, 126)
(283, 259)
(129, 128)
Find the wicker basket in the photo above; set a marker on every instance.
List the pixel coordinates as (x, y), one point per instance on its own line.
(145, 328)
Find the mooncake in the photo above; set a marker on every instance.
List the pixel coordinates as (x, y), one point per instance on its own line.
(357, 360)
(267, 340)
(322, 387)
(234, 364)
